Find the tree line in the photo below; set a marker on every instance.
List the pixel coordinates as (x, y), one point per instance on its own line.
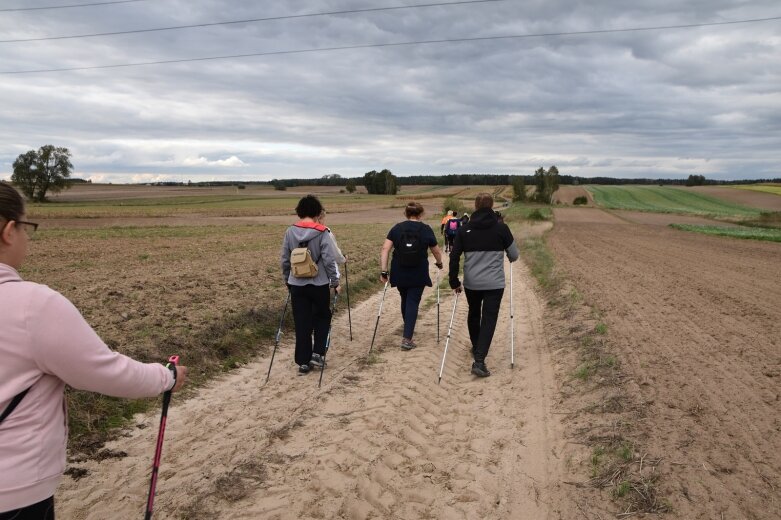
(48, 169)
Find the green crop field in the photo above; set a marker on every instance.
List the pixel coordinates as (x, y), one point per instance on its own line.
(772, 235)
(662, 199)
(775, 189)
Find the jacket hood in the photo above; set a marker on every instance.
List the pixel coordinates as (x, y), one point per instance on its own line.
(8, 274)
(301, 234)
(483, 218)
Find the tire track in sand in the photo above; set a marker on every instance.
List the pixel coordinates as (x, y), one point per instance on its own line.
(380, 440)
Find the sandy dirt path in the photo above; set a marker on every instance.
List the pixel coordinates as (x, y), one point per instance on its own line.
(696, 321)
(379, 440)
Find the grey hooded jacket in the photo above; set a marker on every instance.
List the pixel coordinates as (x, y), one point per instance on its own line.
(324, 252)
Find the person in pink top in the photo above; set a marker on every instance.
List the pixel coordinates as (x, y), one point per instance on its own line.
(45, 344)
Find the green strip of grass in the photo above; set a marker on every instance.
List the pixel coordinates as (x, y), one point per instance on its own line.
(754, 233)
(664, 199)
(775, 189)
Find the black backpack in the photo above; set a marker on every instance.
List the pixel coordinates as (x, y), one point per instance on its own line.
(410, 250)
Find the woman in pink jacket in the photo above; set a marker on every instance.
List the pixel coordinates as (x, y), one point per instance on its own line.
(44, 345)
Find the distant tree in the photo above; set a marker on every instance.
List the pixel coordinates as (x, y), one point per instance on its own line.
(519, 189)
(546, 183)
(454, 204)
(351, 186)
(381, 183)
(279, 185)
(42, 172)
(695, 180)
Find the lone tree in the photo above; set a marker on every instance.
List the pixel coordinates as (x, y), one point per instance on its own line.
(519, 188)
(351, 186)
(41, 172)
(382, 183)
(546, 182)
(695, 180)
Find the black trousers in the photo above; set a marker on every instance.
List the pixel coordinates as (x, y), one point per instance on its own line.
(410, 303)
(43, 510)
(481, 321)
(312, 316)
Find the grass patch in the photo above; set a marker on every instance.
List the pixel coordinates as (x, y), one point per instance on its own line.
(773, 188)
(540, 260)
(600, 328)
(518, 212)
(746, 233)
(663, 199)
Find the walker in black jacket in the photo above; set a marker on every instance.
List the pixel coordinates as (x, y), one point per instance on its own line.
(484, 241)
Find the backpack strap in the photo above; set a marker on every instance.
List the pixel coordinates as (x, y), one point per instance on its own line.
(311, 225)
(14, 403)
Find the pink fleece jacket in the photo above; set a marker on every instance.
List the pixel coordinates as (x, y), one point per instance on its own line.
(45, 344)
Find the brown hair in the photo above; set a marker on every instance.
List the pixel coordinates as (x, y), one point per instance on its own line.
(11, 202)
(413, 209)
(484, 200)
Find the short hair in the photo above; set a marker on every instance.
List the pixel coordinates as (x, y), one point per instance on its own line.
(413, 209)
(484, 200)
(455, 213)
(309, 206)
(11, 202)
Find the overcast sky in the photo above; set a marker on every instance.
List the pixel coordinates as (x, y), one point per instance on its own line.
(662, 103)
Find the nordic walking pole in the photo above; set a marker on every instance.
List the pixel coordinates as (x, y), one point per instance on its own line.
(378, 317)
(437, 306)
(347, 283)
(512, 321)
(279, 335)
(172, 362)
(447, 341)
(328, 338)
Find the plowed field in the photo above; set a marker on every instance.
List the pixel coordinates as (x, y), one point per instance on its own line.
(696, 322)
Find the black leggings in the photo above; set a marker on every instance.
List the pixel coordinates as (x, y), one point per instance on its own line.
(481, 320)
(312, 317)
(43, 510)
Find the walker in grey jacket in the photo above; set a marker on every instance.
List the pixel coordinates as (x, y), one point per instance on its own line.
(324, 252)
(484, 242)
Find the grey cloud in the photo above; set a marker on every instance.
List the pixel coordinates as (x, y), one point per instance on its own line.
(620, 104)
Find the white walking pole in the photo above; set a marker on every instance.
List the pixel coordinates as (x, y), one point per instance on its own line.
(512, 321)
(437, 306)
(447, 341)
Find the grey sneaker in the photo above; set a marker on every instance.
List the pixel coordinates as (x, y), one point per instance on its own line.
(408, 344)
(480, 370)
(303, 369)
(317, 360)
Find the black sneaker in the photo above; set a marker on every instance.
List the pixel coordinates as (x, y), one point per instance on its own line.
(304, 369)
(317, 360)
(480, 370)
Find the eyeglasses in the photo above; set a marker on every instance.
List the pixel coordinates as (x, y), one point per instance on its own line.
(29, 227)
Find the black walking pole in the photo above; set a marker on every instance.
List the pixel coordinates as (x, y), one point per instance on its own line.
(279, 335)
(347, 283)
(172, 362)
(377, 323)
(328, 338)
